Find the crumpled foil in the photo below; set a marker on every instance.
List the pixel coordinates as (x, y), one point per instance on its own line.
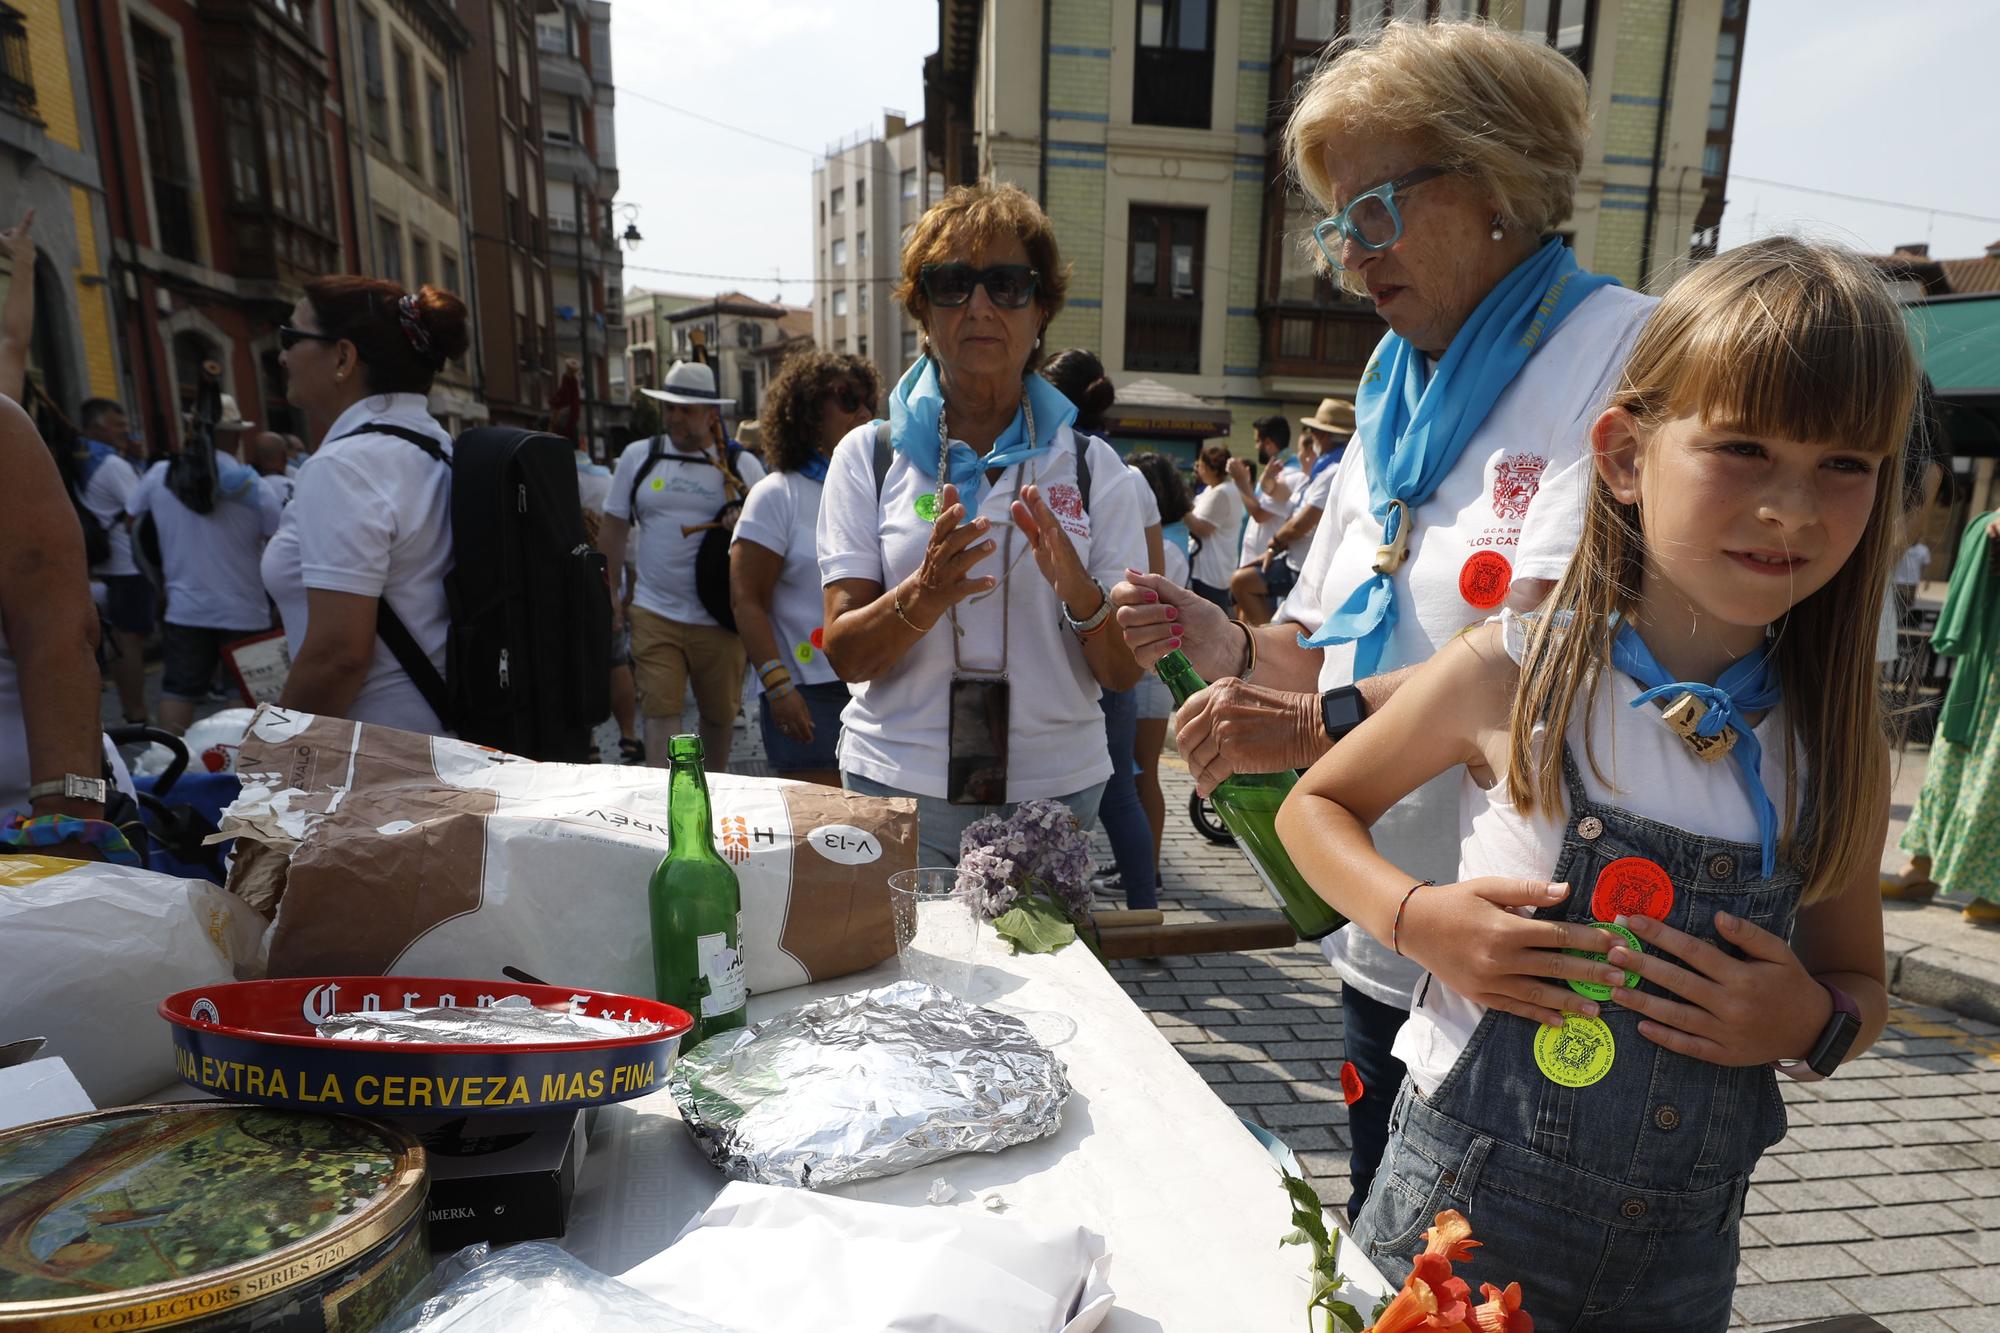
(867, 1084)
(502, 1024)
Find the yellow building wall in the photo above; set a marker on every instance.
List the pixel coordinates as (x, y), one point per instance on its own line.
(55, 100)
(93, 296)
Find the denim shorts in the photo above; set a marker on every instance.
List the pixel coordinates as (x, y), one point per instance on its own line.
(192, 653)
(824, 702)
(128, 603)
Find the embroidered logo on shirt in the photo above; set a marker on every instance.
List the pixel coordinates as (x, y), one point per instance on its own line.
(1516, 478)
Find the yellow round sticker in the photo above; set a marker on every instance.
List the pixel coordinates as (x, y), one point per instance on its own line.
(1578, 1053)
(802, 651)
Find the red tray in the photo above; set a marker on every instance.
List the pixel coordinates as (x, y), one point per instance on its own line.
(255, 1041)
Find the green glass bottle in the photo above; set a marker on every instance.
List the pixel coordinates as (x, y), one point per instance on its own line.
(697, 907)
(1248, 804)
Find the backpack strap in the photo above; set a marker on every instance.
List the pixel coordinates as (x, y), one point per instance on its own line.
(1082, 467)
(389, 626)
(655, 450)
(883, 457)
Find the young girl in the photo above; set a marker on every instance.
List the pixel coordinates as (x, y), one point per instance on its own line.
(1594, 1102)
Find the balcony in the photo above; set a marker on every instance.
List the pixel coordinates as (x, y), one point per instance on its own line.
(563, 74)
(17, 80)
(1318, 342)
(1163, 335)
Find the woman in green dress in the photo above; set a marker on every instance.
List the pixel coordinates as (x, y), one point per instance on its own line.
(1953, 836)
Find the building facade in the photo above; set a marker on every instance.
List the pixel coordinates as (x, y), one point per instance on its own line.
(648, 339)
(727, 332)
(506, 196)
(51, 166)
(220, 131)
(1151, 131)
(868, 191)
(400, 64)
(580, 152)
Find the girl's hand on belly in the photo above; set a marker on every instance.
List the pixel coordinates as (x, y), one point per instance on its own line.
(1762, 1007)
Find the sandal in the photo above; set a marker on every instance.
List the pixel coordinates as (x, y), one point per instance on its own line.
(1982, 912)
(631, 750)
(1908, 887)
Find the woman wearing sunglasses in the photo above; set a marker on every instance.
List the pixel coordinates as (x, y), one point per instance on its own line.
(370, 521)
(1445, 156)
(815, 399)
(964, 556)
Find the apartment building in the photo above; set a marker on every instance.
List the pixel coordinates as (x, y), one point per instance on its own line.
(868, 190)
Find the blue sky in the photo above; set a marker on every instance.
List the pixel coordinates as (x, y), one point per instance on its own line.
(1856, 96)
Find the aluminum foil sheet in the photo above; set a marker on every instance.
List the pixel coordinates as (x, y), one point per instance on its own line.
(867, 1084)
(501, 1024)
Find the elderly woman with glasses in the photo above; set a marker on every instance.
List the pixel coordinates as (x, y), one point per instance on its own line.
(815, 399)
(1446, 156)
(966, 544)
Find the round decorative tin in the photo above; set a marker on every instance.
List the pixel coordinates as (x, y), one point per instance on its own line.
(257, 1041)
(204, 1217)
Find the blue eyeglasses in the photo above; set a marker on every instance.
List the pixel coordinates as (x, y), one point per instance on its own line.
(1371, 219)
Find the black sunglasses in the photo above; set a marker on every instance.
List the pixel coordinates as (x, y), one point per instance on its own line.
(289, 337)
(1009, 286)
(851, 399)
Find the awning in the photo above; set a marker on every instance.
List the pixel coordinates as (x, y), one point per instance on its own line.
(1959, 340)
(1148, 408)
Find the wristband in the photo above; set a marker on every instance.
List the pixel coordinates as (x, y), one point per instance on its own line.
(773, 695)
(903, 615)
(23, 834)
(1396, 930)
(784, 679)
(1249, 650)
(768, 667)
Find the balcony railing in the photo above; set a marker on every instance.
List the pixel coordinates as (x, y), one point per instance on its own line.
(1163, 336)
(17, 80)
(1318, 341)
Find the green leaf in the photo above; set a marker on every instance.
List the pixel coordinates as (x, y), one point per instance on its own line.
(1346, 1314)
(1380, 1306)
(1298, 1236)
(1035, 925)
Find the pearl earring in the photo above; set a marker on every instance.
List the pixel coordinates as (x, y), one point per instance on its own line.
(1499, 228)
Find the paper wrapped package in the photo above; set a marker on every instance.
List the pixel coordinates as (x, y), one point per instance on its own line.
(383, 851)
(86, 952)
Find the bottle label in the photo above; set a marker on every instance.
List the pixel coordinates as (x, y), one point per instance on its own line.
(721, 966)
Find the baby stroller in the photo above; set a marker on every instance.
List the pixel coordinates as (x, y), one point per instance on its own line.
(176, 809)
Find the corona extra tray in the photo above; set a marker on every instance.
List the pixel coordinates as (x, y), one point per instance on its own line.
(256, 1041)
(204, 1217)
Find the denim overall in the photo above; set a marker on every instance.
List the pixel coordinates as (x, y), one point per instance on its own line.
(1615, 1206)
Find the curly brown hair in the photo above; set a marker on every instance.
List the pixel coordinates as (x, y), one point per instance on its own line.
(790, 418)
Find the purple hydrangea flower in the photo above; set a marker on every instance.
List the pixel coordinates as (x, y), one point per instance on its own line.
(986, 880)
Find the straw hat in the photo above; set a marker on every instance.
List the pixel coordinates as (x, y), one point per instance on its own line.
(1335, 416)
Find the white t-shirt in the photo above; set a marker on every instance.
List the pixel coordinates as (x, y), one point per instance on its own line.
(210, 559)
(1318, 491)
(106, 496)
(593, 483)
(1257, 536)
(896, 729)
(1910, 566)
(1493, 503)
(280, 486)
(782, 516)
(372, 517)
(1652, 774)
(681, 490)
(1149, 506)
(1223, 507)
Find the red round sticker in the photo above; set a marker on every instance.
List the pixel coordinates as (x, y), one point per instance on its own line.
(1483, 579)
(1350, 1083)
(818, 638)
(1632, 886)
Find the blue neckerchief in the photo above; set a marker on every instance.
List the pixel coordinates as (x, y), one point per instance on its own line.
(1324, 461)
(1416, 419)
(90, 458)
(814, 468)
(1178, 534)
(917, 403)
(1750, 685)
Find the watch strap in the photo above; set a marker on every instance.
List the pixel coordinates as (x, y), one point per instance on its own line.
(1835, 1039)
(71, 787)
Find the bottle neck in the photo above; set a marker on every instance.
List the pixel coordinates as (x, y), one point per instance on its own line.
(1181, 679)
(688, 831)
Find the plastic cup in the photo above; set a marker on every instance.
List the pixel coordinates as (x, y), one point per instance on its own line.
(936, 929)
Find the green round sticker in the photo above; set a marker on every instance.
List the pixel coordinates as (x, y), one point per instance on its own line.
(1597, 990)
(803, 652)
(1578, 1053)
(659, 483)
(927, 509)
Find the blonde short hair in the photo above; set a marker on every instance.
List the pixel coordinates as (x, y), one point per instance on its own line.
(972, 218)
(1507, 110)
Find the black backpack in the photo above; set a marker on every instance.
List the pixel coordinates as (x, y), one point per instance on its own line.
(528, 658)
(711, 558)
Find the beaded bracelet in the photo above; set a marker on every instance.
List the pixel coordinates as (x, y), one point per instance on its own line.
(1396, 930)
(23, 833)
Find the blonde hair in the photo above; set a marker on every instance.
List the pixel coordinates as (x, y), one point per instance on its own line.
(1506, 110)
(970, 219)
(1779, 338)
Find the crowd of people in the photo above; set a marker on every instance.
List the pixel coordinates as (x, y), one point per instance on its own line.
(1459, 601)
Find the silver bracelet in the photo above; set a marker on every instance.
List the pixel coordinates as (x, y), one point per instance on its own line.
(1084, 627)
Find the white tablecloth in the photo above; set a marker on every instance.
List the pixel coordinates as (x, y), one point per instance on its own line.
(1189, 1204)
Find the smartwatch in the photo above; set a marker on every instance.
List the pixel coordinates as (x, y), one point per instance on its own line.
(1834, 1041)
(1341, 710)
(72, 787)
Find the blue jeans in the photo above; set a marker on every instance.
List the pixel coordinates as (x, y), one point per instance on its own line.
(1125, 821)
(939, 822)
(1368, 1030)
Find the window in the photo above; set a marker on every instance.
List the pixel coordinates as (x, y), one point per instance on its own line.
(909, 346)
(861, 245)
(389, 249)
(1163, 289)
(372, 79)
(746, 391)
(440, 135)
(449, 262)
(910, 183)
(860, 191)
(166, 147)
(839, 201)
(246, 159)
(1314, 23)
(1725, 80)
(840, 303)
(17, 74)
(420, 261)
(406, 108)
(861, 346)
(1564, 24)
(864, 298)
(298, 11)
(839, 251)
(1173, 76)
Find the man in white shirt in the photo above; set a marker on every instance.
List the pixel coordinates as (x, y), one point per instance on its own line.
(673, 488)
(215, 590)
(105, 482)
(268, 455)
